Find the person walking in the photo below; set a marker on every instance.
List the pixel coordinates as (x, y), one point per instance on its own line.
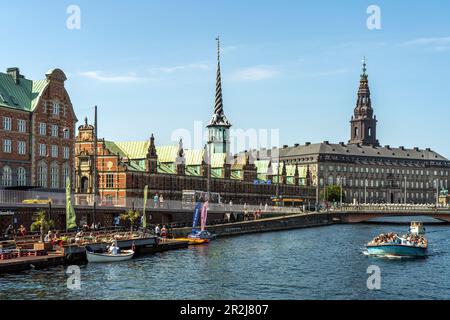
(157, 231)
(164, 233)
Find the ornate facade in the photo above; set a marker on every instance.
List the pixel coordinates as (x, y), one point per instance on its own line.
(367, 172)
(37, 131)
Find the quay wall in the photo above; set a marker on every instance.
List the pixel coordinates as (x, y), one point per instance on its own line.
(264, 225)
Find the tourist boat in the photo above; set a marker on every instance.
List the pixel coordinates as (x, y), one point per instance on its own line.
(401, 246)
(108, 257)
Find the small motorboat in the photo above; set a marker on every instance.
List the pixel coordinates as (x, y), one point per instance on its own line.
(413, 244)
(193, 241)
(202, 234)
(123, 255)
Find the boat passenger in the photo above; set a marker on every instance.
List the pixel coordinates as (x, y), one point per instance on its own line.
(113, 248)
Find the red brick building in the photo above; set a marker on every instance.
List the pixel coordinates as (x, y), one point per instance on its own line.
(124, 168)
(37, 131)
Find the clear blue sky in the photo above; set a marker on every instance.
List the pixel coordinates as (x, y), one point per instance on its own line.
(292, 65)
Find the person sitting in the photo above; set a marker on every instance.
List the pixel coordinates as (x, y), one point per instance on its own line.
(9, 232)
(22, 230)
(48, 237)
(113, 248)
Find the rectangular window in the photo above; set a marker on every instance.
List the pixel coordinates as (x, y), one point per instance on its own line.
(54, 151)
(109, 181)
(66, 153)
(54, 130)
(7, 146)
(55, 108)
(42, 129)
(7, 123)
(42, 150)
(21, 147)
(21, 125)
(66, 133)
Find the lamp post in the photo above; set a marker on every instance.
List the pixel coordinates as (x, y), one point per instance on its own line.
(94, 185)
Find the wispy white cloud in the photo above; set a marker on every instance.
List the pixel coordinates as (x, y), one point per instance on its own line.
(255, 73)
(324, 73)
(190, 66)
(437, 44)
(101, 76)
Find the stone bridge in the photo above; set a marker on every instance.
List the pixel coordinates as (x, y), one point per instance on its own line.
(356, 214)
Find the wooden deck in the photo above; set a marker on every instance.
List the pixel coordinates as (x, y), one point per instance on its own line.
(26, 263)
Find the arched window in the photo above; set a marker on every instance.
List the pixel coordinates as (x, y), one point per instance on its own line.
(21, 176)
(42, 174)
(356, 132)
(54, 176)
(330, 180)
(84, 184)
(7, 176)
(370, 131)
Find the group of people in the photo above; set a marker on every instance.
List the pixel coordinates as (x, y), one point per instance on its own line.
(161, 232)
(158, 201)
(93, 226)
(394, 238)
(10, 232)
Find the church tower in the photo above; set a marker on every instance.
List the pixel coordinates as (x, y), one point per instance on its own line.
(363, 123)
(219, 126)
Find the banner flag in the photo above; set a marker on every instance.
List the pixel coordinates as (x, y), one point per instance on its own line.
(70, 212)
(144, 216)
(204, 215)
(196, 215)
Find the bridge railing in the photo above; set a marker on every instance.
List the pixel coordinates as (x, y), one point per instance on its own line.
(392, 207)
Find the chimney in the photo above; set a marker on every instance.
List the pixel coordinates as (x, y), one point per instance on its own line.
(15, 74)
(297, 144)
(285, 146)
(307, 143)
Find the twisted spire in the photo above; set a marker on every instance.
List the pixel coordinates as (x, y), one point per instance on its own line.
(218, 117)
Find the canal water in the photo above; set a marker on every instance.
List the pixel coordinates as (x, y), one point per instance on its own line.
(314, 263)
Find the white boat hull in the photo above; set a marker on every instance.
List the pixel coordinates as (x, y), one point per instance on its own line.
(106, 257)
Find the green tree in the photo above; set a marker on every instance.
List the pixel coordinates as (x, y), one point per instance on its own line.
(41, 223)
(132, 216)
(332, 193)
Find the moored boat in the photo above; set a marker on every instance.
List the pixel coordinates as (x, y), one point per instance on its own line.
(108, 257)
